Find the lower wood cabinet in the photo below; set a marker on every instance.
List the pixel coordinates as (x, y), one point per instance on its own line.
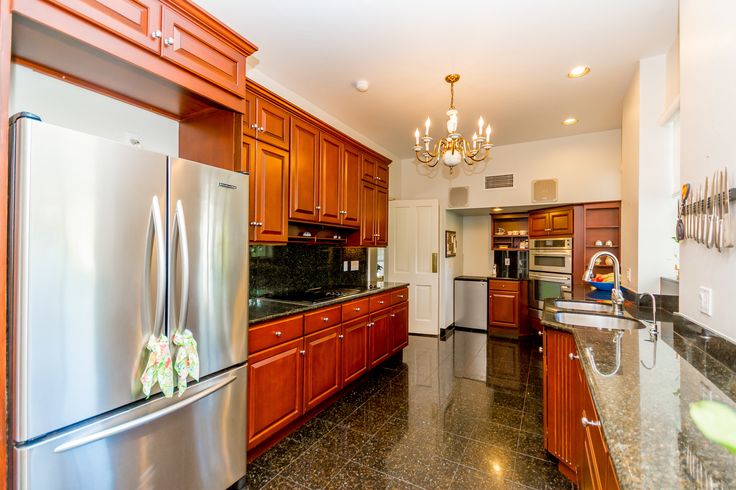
(399, 327)
(504, 308)
(354, 349)
(378, 337)
(508, 307)
(275, 389)
(322, 369)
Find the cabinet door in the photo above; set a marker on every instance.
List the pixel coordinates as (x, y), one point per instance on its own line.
(560, 222)
(134, 20)
(378, 337)
(538, 224)
(248, 165)
(381, 175)
(330, 157)
(354, 349)
(271, 193)
(369, 168)
(503, 309)
(367, 214)
(399, 337)
(273, 123)
(321, 366)
(197, 50)
(249, 117)
(351, 186)
(562, 398)
(304, 171)
(381, 217)
(274, 390)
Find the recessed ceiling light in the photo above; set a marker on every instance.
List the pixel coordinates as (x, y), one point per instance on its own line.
(569, 121)
(497, 209)
(578, 71)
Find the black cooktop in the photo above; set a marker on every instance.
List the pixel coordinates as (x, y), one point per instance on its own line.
(313, 295)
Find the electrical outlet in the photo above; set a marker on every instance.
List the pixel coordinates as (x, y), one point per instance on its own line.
(628, 275)
(705, 300)
(354, 265)
(345, 266)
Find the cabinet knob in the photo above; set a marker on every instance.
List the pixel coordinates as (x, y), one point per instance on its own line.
(325, 319)
(370, 324)
(277, 333)
(340, 336)
(548, 229)
(261, 129)
(169, 41)
(356, 308)
(318, 208)
(253, 126)
(156, 34)
(400, 296)
(392, 315)
(541, 350)
(381, 302)
(302, 352)
(572, 356)
(254, 223)
(540, 333)
(592, 423)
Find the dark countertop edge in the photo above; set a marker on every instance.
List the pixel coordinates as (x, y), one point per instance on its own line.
(290, 310)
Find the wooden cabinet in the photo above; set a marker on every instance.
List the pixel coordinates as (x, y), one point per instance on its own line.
(375, 171)
(399, 328)
(503, 309)
(378, 337)
(330, 168)
(269, 187)
(508, 307)
(304, 171)
(552, 222)
(350, 186)
(199, 51)
(380, 218)
(275, 389)
(374, 217)
(270, 334)
(249, 115)
(322, 368)
(561, 398)
(354, 349)
(273, 123)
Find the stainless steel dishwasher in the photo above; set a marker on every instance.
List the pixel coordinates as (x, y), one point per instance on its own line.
(471, 302)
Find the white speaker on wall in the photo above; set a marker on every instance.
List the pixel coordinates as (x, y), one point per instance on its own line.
(458, 197)
(544, 190)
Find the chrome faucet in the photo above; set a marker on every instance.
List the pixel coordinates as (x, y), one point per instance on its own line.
(653, 326)
(617, 297)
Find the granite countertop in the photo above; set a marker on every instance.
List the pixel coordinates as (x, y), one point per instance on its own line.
(262, 309)
(644, 404)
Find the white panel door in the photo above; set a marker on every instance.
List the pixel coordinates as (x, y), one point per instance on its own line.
(413, 257)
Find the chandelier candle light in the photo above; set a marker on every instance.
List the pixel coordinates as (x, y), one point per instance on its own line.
(453, 148)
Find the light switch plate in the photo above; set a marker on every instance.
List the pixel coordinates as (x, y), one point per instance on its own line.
(705, 300)
(354, 265)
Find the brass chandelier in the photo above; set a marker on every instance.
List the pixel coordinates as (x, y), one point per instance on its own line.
(453, 148)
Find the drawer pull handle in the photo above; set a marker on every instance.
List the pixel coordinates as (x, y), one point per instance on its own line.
(592, 423)
(573, 356)
(277, 333)
(325, 319)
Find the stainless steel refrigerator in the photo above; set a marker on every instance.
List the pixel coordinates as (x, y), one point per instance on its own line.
(110, 244)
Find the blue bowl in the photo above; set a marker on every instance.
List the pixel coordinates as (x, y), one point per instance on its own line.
(602, 286)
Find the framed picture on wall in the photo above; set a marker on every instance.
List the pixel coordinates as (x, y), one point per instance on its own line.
(450, 243)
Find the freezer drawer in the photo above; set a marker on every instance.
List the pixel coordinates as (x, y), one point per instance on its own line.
(193, 442)
(471, 304)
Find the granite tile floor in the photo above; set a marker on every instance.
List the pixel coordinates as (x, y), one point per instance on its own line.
(460, 412)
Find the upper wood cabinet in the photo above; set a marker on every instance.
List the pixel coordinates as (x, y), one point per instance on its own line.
(380, 217)
(330, 188)
(350, 186)
(373, 217)
(199, 51)
(304, 171)
(269, 186)
(249, 115)
(554, 222)
(273, 123)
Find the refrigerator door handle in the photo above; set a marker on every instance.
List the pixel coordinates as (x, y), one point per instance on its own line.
(155, 232)
(179, 240)
(132, 424)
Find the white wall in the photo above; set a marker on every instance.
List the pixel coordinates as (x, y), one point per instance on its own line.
(450, 267)
(708, 122)
(648, 211)
(587, 167)
(477, 257)
(64, 104)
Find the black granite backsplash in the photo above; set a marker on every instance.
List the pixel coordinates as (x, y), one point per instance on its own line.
(297, 267)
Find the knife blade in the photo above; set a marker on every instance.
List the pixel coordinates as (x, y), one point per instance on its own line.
(718, 210)
(709, 209)
(726, 231)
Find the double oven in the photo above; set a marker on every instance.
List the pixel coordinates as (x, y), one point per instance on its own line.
(550, 271)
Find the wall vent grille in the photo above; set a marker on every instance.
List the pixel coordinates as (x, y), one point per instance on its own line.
(504, 181)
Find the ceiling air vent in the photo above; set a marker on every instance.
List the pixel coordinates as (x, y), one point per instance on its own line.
(505, 181)
(458, 197)
(544, 190)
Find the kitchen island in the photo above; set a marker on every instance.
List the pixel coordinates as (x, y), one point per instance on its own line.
(642, 400)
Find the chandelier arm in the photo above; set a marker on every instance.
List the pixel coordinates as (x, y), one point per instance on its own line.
(473, 156)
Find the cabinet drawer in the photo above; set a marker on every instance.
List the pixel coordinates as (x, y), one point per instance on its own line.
(380, 301)
(320, 319)
(503, 285)
(354, 309)
(399, 296)
(274, 333)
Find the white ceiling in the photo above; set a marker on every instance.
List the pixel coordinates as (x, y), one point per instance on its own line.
(513, 56)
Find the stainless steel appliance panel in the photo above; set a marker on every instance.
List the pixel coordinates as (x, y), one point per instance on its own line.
(471, 304)
(543, 286)
(87, 275)
(189, 443)
(208, 293)
(551, 243)
(558, 261)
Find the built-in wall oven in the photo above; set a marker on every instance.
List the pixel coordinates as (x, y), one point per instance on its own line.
(550, 271)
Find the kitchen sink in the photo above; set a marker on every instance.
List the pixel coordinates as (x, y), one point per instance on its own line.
(597, 321)
(583, 306)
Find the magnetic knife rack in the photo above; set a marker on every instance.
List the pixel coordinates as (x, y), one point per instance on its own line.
(708, 204)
